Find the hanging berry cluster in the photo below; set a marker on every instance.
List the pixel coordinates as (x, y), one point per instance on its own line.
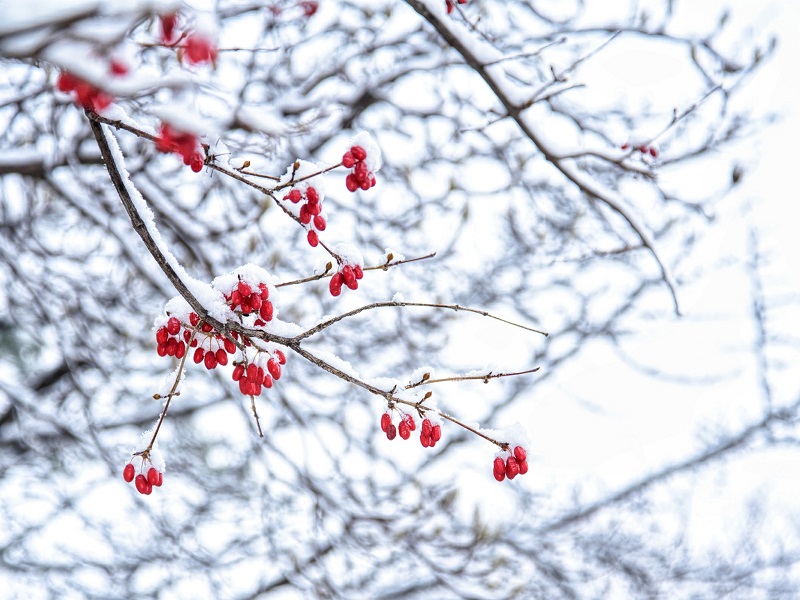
(510, 464)
(144, 481)
(187, 145)
(364, 160)
(428, 436)
(310, 213)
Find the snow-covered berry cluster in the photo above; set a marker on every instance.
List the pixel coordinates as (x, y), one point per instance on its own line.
(404, 428)
(364, 160)
(510, 464)
(451, 5)
(187, 145)
(144, 481)
(310, 214)
(252, 377)
(247, 300)
(198, 48)
(346, 275)
(643, 149)
(430, 433)
(84, 94)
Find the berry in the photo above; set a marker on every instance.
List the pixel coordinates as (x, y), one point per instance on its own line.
(199, 49)
(274, 368)
(436, 433)
(512, 467)
(404, 430)
(358, 153)
(230, 347)
(162, 335)
(117, 67)
(391, 432)
(654, 152)
(221, 356)
(238, 372)
(309, 7)
(335, 285)
(348, 160)
(210, 360)
(266, 311)
(386, 420)
(351, 183)
(313, 238)
(523, 467)
(520, 454)
(168, 23)
(152, 476)
(173, 326)
(499, 475)
(141, 484)
(319, 223)
(199, 354)
(127, 472)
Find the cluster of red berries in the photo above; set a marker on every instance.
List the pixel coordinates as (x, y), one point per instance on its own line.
(83, 94)
(167, 339)
(360, 177)
(250, 301)
(515, 464)
(186, 144)
(310, 211)
(428, 436)
(346, 275)
(406, 426)
(144, 483)
(198, 48)
(644, 149)
(451, 5)
(252, 378)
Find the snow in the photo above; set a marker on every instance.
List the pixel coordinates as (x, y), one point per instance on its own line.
(349, 254)
(373, 161)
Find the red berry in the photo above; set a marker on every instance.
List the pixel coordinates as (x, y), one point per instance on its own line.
(162, 335)
(653, 152)
(244, 383)
(194, 319)
(512, 467)
(274, 368)
(66, 82)
(335, 285)
(348, 160)
(404, 430)
(348, 275)
(391, 432)
(196, 162)
(643, 149)
(625, 146)
(426, 428)
(141, 484)
(386, 420)
(262, 287)
(436, 433)
(152, 476)
(171, 346)
(199, 49)
(173, 326)
(210, 360)
(161, 349)
(117, 67)
(309, 7)
(304, 216)
(267, 381)
(280, 356)
(523, 467)
(313, 238)
(520, 454)
(499, 475)
(351, 183)
(244, 289)
(199, 354)
(319, 223)
(230, 347)
(127, 473)
(358, 153)
(425, 440)
(160, 479)
(499, 465)
(206, 328)
(180, 350)
(295, 196)
(358, 272)
(410, 422)
(168, 23)
(266, 311)
(312, 195)
(238, 371)
(221, 356)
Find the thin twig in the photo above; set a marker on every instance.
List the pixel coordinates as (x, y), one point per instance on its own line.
(456, 307)
(484, 378)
